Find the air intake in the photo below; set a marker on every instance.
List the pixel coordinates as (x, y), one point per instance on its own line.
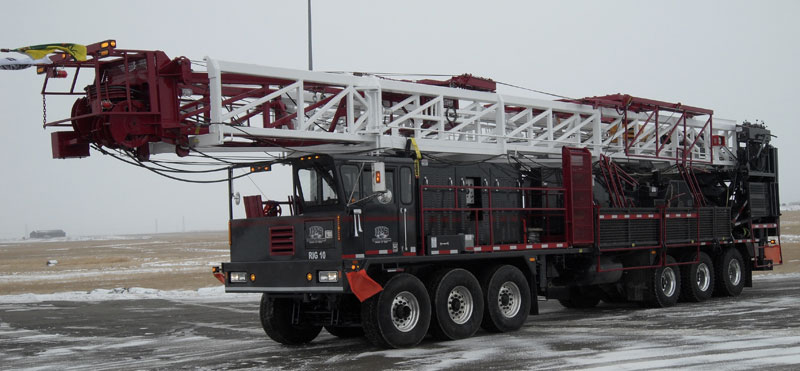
(281, 240)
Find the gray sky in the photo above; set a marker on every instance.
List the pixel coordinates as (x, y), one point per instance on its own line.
(738, 58)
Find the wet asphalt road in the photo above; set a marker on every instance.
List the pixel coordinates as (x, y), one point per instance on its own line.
(760, 329)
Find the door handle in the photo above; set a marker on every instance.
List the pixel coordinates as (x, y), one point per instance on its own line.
(357, 222)
(405, 228)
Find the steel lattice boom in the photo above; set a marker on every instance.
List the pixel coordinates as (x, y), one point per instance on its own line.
(145, 102)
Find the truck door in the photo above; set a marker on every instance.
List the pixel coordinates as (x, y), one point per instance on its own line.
(407, 224)
(380, 218)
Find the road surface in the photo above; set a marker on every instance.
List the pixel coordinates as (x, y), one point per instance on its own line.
(151, 329)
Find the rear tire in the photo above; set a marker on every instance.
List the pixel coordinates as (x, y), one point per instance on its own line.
(697, 280)
(729, 273)
(399, 315)
(663, 285)
(457, 305)
(507, 299)
(276, 319)
(345, 332)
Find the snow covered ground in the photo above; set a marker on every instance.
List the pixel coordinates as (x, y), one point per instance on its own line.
(207, 329)
(209, 294)
(792, 206)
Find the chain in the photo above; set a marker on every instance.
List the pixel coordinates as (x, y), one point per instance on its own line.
(44, 111)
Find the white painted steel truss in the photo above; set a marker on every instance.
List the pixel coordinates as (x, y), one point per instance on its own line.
(380, 114)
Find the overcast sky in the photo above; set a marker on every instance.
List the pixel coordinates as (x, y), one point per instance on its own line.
(740, 59)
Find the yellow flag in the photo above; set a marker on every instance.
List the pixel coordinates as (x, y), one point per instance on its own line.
(77, 51)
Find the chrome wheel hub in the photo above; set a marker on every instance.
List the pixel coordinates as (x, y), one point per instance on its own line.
(509, 299)
(405, 311)
(703, 277)
(668, 285)
(459, 305)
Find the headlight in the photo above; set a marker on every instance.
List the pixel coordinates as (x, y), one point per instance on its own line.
(238, 277)
(328, 276)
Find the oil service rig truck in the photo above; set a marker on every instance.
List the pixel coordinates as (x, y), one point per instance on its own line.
(439, 206)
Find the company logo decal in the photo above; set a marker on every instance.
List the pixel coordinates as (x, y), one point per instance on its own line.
(381, 234)
(316, 234)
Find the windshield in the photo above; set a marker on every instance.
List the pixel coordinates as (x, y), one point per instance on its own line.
(316, 185)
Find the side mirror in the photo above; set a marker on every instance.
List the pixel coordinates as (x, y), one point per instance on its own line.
(237, 198)
(385, 197)
(378, 177)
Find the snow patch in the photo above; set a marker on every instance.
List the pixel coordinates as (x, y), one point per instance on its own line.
(792, 206)
(15, 241)
(790, 238)
(214, 294)
(775, 276)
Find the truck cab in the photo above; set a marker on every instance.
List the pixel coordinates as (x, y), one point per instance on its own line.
(343, 208)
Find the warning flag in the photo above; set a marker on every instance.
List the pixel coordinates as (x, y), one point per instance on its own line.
(21, 63)
(362, 285)
(77, 51)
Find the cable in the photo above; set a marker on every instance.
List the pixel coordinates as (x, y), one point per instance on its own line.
(379, 74)
(534, 90)
(382, 74)
(138, 163)
(292, 150)
(257, 187)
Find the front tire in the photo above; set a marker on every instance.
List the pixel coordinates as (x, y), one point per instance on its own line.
(457, 305)
(663, 285)
(507, 299)
(729, 273)
(398, 316)
(276, 319)
(698, 280)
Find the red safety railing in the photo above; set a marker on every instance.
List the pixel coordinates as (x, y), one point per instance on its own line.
(524, 213)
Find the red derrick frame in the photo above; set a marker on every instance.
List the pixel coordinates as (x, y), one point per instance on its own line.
(116, 111)
(624, 103)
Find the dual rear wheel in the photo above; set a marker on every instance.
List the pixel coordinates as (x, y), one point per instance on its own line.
(697, 282)
(453, 306)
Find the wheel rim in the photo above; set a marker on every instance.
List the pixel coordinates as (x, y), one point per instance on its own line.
(459, 305)
(703, 277)
(668, 281)
(509, 299)
(405, 311)
(734, 272)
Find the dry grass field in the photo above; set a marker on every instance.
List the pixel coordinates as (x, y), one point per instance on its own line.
(173, 261)
(159, 261)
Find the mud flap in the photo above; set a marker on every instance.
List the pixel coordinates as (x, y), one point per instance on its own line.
(362, 285)
(773, 253)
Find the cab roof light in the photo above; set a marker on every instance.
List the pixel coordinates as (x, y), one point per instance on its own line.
(108, 44)
(259, 168)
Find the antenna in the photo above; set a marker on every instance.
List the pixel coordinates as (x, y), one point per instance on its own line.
(310, 60)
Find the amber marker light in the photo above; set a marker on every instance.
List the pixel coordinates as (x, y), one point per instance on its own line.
(309, 277)
(252, 277)
(338, 227)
